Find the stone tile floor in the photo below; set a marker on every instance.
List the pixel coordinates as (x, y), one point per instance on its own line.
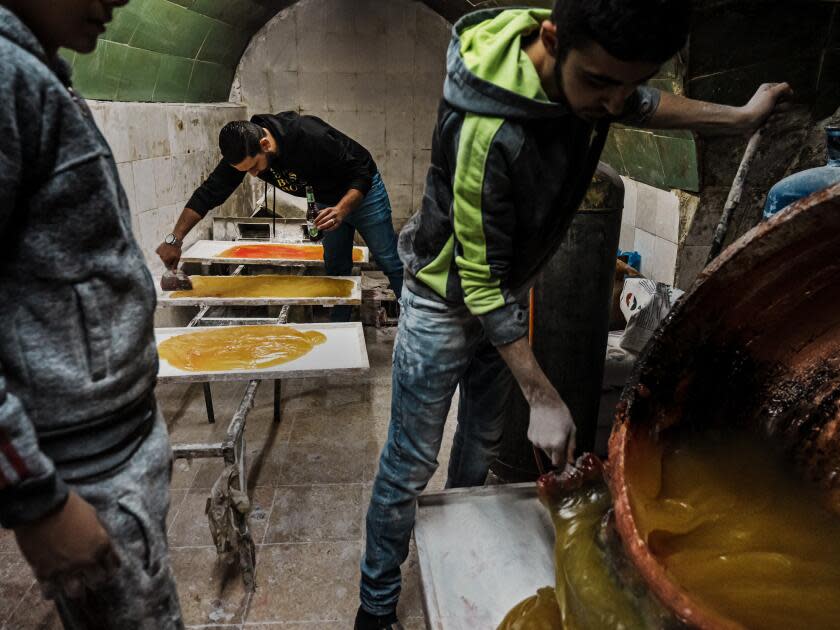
(310, 481)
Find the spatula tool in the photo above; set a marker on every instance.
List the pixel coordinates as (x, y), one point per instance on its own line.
(175, 280)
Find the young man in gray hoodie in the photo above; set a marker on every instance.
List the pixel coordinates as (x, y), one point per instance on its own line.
(85, 461)
(527, 104)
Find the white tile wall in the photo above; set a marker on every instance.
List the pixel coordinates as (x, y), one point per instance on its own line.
(643, 243)
(399, 52)
(164, 152)
(282, 90)
(399, 130)
(627, 237)
(422, 157)
(340, 91)
(424, 126)
(370, 97)
(400, 196)
(371, 130)
(312, 94)
(628, 216)
(668, 217)
(650, 226)
(144, 185)
(398, 165)
(127, 177)
(664, 260)
(316, 57)
(399, 92)
(646, 208)
(368, 20)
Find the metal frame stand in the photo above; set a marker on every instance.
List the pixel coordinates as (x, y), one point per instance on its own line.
(228, 506)
(225, 509)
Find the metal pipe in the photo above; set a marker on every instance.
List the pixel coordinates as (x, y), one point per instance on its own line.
(208, 403)
(237, 423)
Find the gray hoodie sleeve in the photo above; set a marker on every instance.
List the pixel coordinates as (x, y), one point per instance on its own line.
(29, 487)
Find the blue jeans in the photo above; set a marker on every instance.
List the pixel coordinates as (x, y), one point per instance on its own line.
(373, 221)
(438, 347)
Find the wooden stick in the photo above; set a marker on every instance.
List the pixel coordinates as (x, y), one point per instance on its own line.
(734, 197)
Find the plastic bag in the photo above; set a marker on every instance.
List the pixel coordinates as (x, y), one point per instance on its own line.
(644, 304)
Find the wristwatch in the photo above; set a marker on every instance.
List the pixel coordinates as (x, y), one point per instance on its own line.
(171, 239)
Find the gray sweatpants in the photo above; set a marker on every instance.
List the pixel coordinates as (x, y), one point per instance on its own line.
(132, 504)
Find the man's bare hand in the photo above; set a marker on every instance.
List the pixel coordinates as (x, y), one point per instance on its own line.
(169, 254)
(68, 550)
(552, 428)
(330, 219)
(764, 102)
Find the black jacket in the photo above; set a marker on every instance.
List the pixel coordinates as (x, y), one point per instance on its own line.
(310, 153)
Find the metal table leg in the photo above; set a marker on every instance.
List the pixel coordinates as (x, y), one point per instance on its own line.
(278, 394)
(208, 401)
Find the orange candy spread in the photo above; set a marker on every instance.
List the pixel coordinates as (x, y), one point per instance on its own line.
(281, 251)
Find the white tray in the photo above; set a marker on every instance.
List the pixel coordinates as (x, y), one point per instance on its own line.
(343, 352)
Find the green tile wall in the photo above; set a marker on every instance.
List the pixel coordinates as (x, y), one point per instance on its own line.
(665, 159)
(171, 50)
(661, 159)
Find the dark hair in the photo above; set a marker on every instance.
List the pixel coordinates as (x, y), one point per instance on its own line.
(239, 140)
(630, 30)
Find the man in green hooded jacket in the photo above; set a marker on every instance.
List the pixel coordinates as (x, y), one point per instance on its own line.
(528, 101)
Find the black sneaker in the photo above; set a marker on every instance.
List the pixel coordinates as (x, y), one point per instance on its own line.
(366, 621)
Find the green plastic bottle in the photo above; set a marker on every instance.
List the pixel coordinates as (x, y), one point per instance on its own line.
(311, 232)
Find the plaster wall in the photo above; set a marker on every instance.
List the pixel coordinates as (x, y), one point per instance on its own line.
(163, 152)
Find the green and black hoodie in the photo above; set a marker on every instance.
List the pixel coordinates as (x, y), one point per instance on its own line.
(509, 168)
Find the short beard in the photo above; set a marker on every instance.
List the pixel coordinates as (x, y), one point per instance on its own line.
(558, 81)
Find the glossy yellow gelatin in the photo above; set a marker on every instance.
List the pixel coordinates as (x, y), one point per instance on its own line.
(739, 530)
(238, 348)
(586, 595)
(266, 287)
(538, 612)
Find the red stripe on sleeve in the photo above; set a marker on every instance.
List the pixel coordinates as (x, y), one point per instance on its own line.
(12, 455)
